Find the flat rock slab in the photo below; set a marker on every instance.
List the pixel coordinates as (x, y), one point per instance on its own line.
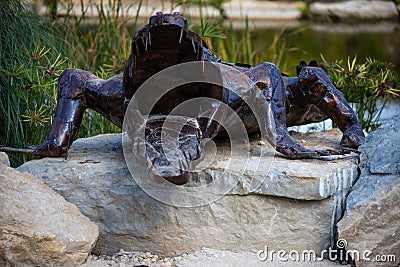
(294, 206)
(355, 10)
(38, 227)
(263, 10)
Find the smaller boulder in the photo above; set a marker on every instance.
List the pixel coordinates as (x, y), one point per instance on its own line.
(38, 227)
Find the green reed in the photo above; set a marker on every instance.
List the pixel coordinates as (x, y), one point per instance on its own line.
(365, 83)
(30, 61)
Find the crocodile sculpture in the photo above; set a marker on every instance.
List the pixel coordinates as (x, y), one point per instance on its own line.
(166, 41)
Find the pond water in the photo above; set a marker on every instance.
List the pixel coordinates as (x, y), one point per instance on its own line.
(334, 41)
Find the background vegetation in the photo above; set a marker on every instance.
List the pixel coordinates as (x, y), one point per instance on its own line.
(32, 55)
(35, 50)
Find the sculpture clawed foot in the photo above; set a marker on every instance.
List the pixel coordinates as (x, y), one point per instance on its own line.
(353, 137)
(294, 150)
(49, 148)
(289, 147)
(59, 139)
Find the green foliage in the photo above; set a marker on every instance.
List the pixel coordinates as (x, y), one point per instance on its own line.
(107, 42)
(238, 47)
(210, 29)
(306, 12)
(34, 52)
(363, 84)
(30, 60)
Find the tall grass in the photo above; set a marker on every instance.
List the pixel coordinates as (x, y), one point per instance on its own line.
(30, 60)
(102, 40)
(33, 53)
(237, 47)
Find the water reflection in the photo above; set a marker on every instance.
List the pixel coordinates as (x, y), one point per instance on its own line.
(335, 41)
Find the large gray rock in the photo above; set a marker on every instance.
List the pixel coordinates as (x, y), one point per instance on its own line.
(38, 227)
(295, 206)
(381, 153)
(372, 217)
(355, 10)
(4, 159)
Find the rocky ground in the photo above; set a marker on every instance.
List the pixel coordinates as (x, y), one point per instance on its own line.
(203, 257)
(295, 201)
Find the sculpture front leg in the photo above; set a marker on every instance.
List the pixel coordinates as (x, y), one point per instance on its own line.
(77, 91)
(70, 108)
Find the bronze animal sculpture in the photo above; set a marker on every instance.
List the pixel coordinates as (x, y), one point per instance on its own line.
(166, 41)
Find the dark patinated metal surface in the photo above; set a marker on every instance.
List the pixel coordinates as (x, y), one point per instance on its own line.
(165, 42)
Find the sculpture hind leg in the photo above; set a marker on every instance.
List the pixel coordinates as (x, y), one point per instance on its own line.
(270, 104)
(313, 88)
(77, 91)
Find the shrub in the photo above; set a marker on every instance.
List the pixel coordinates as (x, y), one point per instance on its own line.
(363, 84)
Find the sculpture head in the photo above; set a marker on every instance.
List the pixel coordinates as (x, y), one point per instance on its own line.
(169, 19)
(164, 42)
(172, 146)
